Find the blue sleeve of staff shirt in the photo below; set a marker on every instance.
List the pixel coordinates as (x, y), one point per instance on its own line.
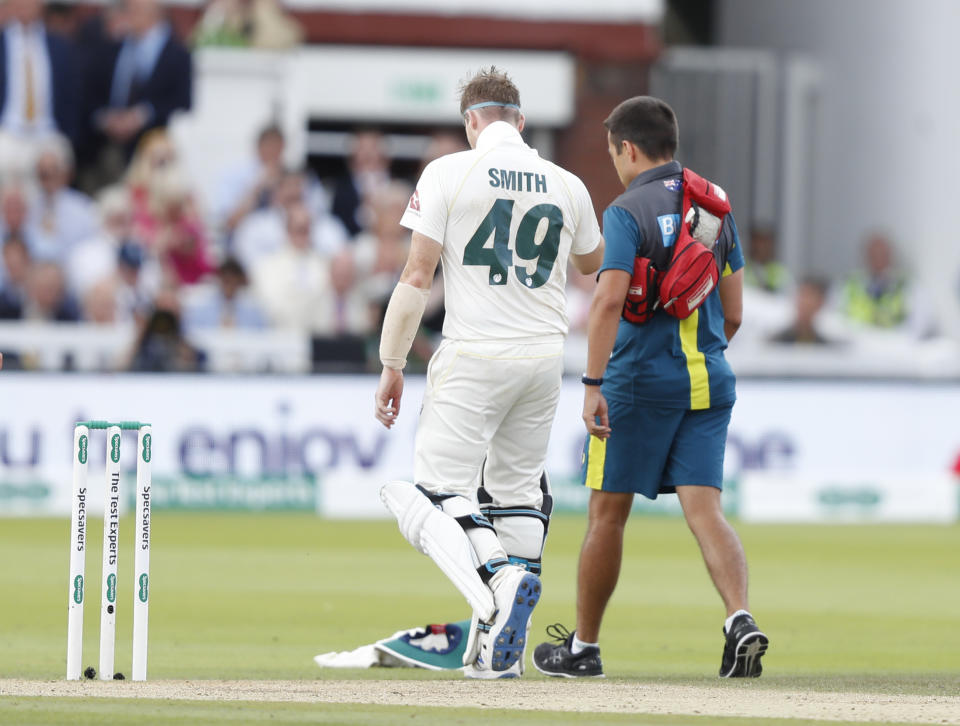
(622, 238)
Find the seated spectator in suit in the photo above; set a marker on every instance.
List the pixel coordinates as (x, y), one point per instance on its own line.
(879, 295)
(763, 270)
(60, 216)
(228, 304)
(368, 169)
(47, 299)
(265, 231)
(152, 77)
(13, 281)
(37, 84)
(808, 302)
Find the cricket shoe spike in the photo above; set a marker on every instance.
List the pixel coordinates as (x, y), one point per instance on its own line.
(744, 647)
(442, 539)
(516, 594)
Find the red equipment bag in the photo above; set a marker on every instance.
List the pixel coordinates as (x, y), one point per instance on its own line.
(692, 273)
(641, 300)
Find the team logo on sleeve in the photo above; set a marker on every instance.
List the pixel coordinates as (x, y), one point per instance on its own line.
(415, 201)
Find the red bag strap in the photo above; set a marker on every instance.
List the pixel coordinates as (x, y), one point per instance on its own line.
(705, 193)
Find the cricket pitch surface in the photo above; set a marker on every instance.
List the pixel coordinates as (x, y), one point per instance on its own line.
(595, 696)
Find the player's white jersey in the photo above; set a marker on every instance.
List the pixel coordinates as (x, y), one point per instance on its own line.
(508, 221)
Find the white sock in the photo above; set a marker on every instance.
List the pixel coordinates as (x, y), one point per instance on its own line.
(729, 622)
(578, 645)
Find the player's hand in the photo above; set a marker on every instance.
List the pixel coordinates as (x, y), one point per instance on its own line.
(595, 407)
(387, 398)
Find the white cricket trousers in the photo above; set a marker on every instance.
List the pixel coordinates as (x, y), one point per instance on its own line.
(492, 401)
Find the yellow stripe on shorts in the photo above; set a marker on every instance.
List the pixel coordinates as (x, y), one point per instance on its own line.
(696, 362)
(596, 457)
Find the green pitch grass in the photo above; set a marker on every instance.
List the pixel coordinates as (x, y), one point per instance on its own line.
(257, 596)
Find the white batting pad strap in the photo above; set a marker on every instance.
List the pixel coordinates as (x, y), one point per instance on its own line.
(401, 322)
(442, 539)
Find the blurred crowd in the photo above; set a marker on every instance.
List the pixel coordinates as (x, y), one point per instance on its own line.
(877, 298)
(100, 222)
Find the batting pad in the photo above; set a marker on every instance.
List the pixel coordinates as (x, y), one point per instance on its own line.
(442, 539)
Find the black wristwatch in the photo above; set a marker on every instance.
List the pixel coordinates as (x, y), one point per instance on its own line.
(588, 381)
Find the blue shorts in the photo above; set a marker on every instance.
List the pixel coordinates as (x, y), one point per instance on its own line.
(652, 450)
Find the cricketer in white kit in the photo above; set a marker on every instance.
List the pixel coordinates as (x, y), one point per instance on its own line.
(504, 222)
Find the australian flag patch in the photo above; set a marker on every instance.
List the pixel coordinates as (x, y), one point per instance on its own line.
(674, 185)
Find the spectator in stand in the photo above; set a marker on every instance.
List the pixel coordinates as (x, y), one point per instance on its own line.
(342, 330)
(293, 282)
(37, 84)
(97, 42)
(809, 298)
(114, 254)
(60, 18)
(161, 346)
(249, 186)
(152, 77)
(265, 231)
(368, 169)
(880, 296)
(381, 251)
(173, 231)
(59, 216)
(101, 303)
(47, 299)
(763, 270)
(13, 213)
(441, 144)
(16, 274)
(226, 305)
(380, 256)
(247, 23)
(155, 154)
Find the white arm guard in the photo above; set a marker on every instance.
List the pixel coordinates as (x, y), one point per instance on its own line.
(400, 324)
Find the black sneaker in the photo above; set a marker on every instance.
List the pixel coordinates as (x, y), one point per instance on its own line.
(555, 659)
(743, 650)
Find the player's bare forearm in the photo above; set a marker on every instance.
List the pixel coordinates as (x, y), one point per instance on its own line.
(605, 319)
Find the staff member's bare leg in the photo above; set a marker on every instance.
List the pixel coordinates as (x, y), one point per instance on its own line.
(577, 654)
(721, 548)
(600, 558)
(723, 554)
